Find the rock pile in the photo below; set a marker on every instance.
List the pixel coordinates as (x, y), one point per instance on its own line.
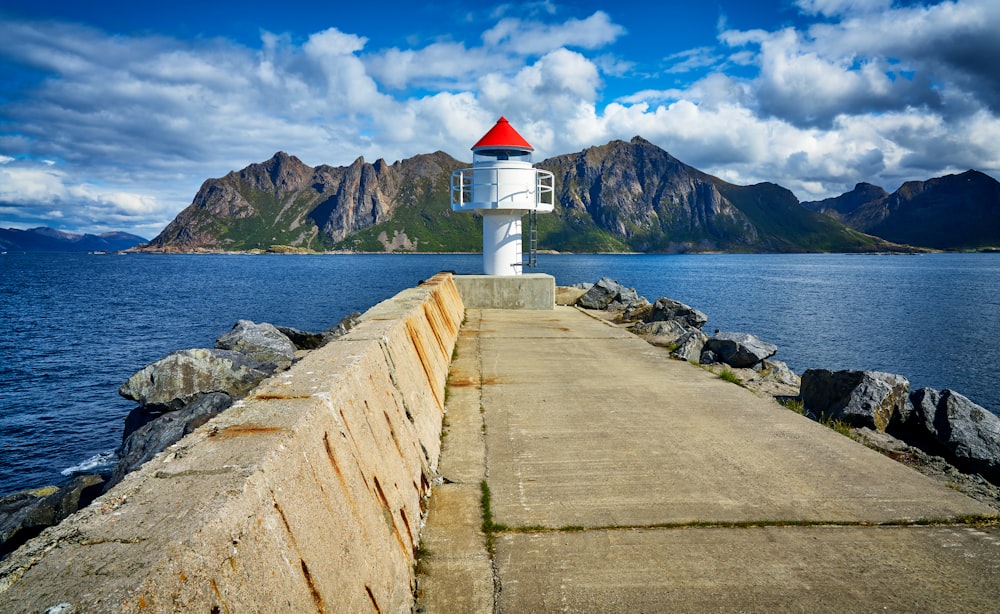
(674, 325)
(945, 423)
(176, 395)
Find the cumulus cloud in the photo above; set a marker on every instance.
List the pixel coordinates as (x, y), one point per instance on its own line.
(113, 128)
(532, 38)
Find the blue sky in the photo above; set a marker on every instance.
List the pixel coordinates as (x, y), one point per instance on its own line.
(113, 113)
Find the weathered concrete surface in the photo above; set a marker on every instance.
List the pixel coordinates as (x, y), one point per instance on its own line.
(456, 570)
(629, 482)
(304, 497)
(528, 291)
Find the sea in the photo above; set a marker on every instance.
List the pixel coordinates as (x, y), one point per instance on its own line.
(74, 326)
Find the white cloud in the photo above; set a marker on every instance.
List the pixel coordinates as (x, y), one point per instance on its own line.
(842, 7)
(533, 38)
(119, 128)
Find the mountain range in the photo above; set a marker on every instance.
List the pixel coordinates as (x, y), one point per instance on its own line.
(951, 212)
(622, 196)
(50, 240)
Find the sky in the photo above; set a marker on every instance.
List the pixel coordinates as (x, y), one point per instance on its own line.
(112, 114)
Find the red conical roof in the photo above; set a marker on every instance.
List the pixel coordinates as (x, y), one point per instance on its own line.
(502, 135)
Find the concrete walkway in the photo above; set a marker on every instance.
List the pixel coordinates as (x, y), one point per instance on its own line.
(622, 481)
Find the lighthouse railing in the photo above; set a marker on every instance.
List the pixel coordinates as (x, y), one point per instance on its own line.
(545, 183)
(479, 188)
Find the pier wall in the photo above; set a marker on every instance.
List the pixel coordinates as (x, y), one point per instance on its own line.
(306, 496)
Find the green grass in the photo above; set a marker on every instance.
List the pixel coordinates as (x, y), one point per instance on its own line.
(728, 375)
(838, 425)
(795, 405)
(421, 554)
(490, 528)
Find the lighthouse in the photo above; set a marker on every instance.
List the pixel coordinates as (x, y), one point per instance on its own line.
(503, 186)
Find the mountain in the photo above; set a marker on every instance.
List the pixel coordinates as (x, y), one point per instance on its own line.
(951, 212)
(285, 202)
(50, 240)
(623, 196)
(643, 199)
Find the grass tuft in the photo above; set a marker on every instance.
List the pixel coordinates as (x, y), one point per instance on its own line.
(728, 375)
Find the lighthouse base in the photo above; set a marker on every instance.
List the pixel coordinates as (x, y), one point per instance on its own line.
(528, 291)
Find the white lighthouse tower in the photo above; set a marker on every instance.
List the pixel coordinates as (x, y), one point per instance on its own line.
(503, 186)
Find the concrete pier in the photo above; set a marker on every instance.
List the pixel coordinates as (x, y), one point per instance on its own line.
(564, 464)
(622, 481)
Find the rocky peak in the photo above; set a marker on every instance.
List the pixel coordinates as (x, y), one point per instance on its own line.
(281, 173)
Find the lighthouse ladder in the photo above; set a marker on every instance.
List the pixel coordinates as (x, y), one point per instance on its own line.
(532, 239)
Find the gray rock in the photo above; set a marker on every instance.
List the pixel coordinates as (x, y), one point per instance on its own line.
(778, 371)
(342, 328)
(690, 346)
(669, 309)
(860, 398)
(669, 330)
(707, 357)
(24, 515)
(262, 342)
(154, 437)
(968, 433)
(605, 292)
(301, 339)
(178, 379)
(740, 350)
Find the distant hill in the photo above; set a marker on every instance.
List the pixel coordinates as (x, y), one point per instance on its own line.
(951, 212)
(50, 240)
(623, 196)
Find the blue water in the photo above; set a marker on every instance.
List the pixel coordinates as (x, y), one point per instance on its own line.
(73, 327)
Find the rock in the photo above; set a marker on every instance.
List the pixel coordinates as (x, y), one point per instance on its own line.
(26, 514)
(660, 333)
(690, 345)
(154, 437)
(569, 295)
(860, 398)
(178, 379)
(260, 342)
(606, 292)
(740, 350)
(669, 309)
(707, 357)
(137, 418)
(302, 340)
(968, 433)
(778, 371)
(342, 328)
(636, 311)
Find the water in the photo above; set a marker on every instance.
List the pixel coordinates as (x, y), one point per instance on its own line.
(73, 327)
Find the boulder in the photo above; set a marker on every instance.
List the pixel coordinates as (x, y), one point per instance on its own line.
(860, 398)
(740, 350)
(262, 342)
(343, 327)
(301, 339)
(637, 311)
(671, 310)
(690, 345)
(154, 437)
(778, 371)
(664, 332)
(24, 515)
(968, 434)
(607, 292)
(178, 379)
